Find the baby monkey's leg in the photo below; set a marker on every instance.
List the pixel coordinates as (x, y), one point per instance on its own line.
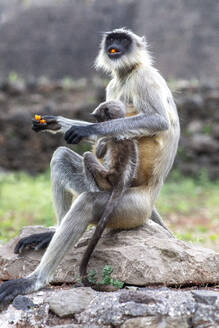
(96, 173)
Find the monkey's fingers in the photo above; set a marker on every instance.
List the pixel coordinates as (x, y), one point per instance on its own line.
(49, 118)
(36, 241)
(76, 133)
(37, 126)
(45, 242)
(74, 139)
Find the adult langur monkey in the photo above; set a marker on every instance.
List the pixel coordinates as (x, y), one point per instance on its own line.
(151, 119)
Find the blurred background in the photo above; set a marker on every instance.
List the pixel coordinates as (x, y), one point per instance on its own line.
(47, 51)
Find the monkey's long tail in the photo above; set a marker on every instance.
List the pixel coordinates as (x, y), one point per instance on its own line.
(114, 200)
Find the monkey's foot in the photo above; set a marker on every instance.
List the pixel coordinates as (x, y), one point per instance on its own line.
(36, 241)
(10, 289)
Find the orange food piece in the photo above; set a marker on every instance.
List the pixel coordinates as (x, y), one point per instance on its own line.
(42, 121)
(112, 51)
(37, 117)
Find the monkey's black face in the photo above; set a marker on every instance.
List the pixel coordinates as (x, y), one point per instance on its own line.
(117, 44)
(106, 114)
(102, 114)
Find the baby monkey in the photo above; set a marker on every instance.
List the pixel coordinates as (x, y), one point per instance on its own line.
(120, 160)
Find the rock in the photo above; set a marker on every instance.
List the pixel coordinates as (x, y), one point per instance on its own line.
(153, 322)
(14, 266)
(76, 326)
(35, 317)
(3, 98)
(145, 307)
(22, 303)
(206, 297)
(14, 88)
(203, 143)
(140, 323)
(207, 309)
(68, 302)
(168, 308)
(195, 126)
(215, 130)
(140, 257)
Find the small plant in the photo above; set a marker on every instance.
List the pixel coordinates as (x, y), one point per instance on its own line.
(107, 280)
(92, 276)
(117, 283)
(106, 275)
(78, 279)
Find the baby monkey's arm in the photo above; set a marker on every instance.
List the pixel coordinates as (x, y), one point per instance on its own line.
(101, 147)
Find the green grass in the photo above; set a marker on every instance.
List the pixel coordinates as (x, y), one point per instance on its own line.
(186, 195)
(189, 207)
(24, 200)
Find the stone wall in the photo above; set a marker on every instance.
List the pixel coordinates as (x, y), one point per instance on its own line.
(198, 107)
(58, 38)
(22, 149)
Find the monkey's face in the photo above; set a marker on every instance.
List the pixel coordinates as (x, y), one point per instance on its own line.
(117, 45)
(109, 110)
(99, 114)
(121, 50)
(102, 114)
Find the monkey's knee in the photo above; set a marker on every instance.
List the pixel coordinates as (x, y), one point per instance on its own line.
(65, 162)
(89, 157)
(59, 156)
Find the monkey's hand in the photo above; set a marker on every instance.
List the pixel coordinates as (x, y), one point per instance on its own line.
(46, 123)
(10, 289)
(76, 133)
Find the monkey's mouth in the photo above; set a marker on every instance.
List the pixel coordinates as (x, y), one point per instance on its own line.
(114, 52)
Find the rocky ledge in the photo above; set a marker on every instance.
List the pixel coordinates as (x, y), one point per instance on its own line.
(153, 266)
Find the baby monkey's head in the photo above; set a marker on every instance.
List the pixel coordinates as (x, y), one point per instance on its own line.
(109, 110)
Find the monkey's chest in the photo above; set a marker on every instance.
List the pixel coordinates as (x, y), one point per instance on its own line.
(148, 151)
